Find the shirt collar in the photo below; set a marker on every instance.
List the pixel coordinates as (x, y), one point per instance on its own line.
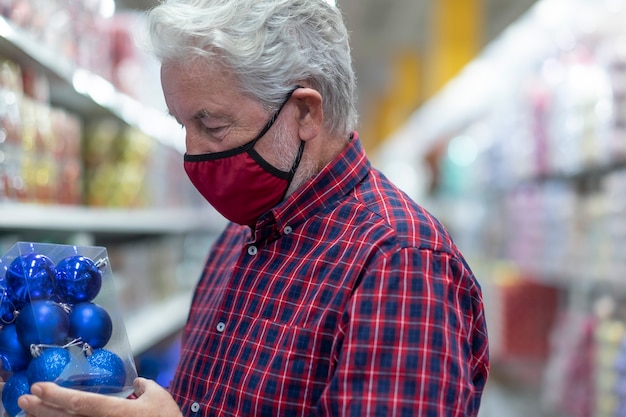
(324, 189)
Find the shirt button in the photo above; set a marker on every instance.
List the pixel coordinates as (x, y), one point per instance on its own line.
(252, 250)
(195, 407)
(220, 326)
(287, 230)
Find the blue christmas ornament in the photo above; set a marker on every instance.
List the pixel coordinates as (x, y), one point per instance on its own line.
(42, 322)
(107, 372)
(78, 279)
(13, 355)
(16, 386)
(91, 323)
(30, 277)
(49, 365)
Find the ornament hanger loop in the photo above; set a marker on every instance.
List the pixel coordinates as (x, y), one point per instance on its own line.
(37, 349)
(76, 342)
(101, 263)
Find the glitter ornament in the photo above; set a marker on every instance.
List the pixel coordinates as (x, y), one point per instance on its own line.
(42, 322)
(13, 355)
(30, 277)
(78, 279)
(91, 323)
(16, 386)
(49, 365)
(107, 372)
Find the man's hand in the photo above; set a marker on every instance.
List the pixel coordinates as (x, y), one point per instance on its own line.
(50, 400)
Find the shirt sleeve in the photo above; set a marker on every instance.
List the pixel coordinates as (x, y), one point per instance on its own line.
(415, 341)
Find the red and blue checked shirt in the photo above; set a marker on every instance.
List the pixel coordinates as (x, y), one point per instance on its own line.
(348, 299)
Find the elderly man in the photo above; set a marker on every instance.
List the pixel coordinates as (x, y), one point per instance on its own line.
(330, 292)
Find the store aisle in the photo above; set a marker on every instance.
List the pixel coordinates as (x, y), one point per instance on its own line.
(502, 400)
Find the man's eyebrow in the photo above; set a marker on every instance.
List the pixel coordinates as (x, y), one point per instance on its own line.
(199, 115)
(206, 113)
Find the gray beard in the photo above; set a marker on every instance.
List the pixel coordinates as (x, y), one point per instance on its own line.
(286, 151)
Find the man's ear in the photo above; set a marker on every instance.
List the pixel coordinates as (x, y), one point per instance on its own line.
(309, 115)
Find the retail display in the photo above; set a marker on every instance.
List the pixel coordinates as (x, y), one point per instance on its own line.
(41, 145)
(540, 187)
(88, 157)
(67, 326)
(74, 31)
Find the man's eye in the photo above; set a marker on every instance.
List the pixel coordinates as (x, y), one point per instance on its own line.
(216, 131)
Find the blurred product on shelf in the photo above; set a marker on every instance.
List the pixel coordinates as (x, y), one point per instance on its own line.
(536, 161)
(40, 146)
(126, 168)
(569, 382)
(609, 334)
(90, 36)
(521, 315)
(72, 29)
(133, 71)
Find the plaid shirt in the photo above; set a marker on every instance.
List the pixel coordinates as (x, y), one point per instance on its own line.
(348, 299)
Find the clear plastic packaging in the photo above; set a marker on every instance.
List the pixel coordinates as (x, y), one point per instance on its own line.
(61, 322)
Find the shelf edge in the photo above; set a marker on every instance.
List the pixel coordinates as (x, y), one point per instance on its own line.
(105, 220)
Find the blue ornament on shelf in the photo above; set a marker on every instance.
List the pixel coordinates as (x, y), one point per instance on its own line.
(107, 372)
(49, 365)
(78, 279)
(30, 277)
(42, 322)
(16, 386)
(91, 323)
(13, 355)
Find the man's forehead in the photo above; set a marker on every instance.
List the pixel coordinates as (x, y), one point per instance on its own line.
(198, 67)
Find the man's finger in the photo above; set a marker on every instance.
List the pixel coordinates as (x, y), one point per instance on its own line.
(74, 401)
(140, 385)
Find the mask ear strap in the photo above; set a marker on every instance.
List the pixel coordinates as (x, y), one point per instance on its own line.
(296, 163)
(271, 121)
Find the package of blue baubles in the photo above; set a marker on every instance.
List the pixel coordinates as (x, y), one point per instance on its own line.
(60, 321)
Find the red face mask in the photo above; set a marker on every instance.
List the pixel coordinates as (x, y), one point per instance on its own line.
(238, 182)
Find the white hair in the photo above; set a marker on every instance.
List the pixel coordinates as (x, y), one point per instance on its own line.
(269, 45)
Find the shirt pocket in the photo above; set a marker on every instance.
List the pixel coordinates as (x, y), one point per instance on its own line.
(278, 369)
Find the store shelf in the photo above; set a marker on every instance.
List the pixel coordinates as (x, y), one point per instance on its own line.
(146, 232)
(91, 96)
(32, 217)
(85, 93)
(156, 322)
(529, 142)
